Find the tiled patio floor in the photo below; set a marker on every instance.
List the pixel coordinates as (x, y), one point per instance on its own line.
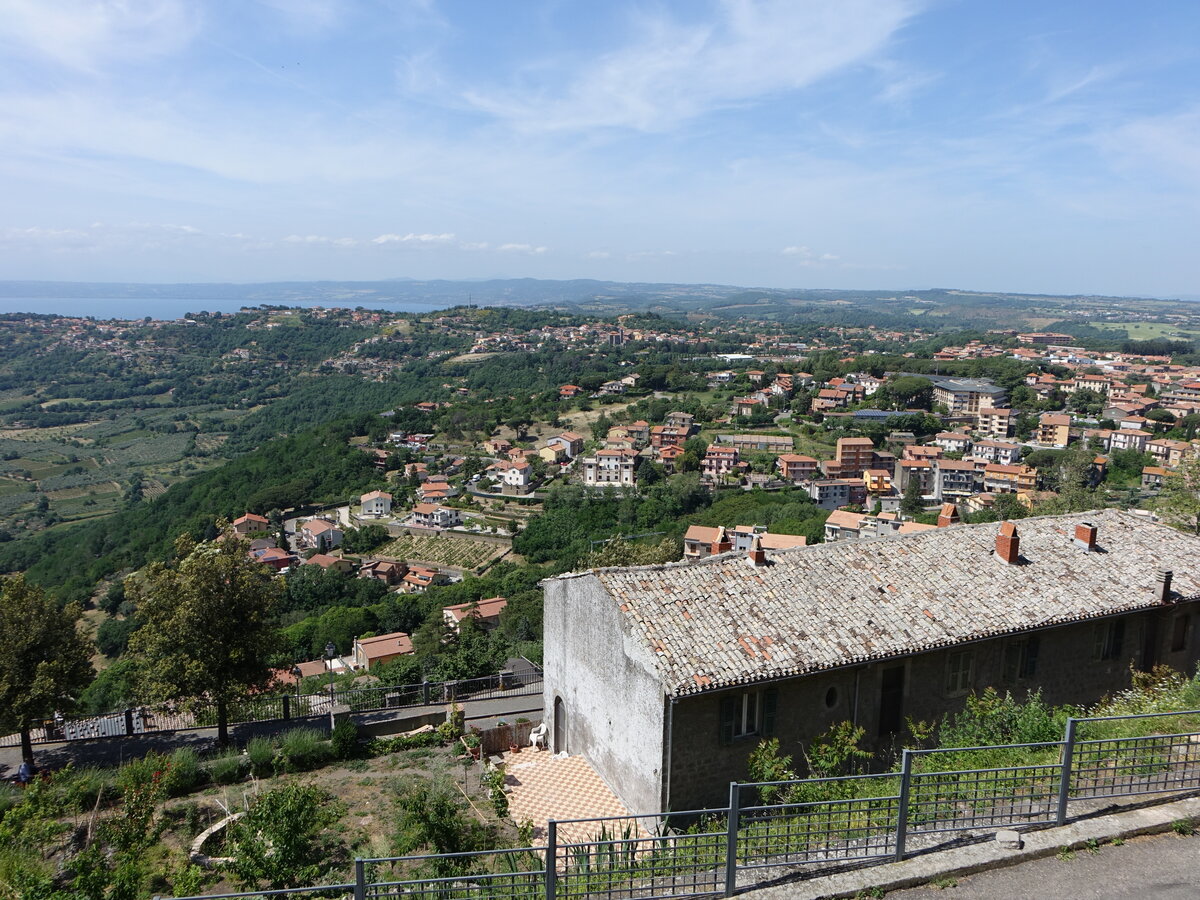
(547, 787)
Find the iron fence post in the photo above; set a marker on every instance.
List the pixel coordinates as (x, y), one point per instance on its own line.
(1064, 776)
(424, 693)
(360, 879)
(902, 806)
(735, 803)
(551, 859)
(128, 722)
(287, 706)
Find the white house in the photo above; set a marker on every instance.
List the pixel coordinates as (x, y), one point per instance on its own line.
(320, 534)
(376, 503)
(431, 515)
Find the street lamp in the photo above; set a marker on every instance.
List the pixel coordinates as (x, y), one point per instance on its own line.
(330, 655)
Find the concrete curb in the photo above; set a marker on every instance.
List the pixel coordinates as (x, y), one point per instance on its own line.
(961, 861)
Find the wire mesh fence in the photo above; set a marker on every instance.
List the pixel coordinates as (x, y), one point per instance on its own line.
(855, 819)
(280, 707)
(944, 799)
(806, 826)
(620, 858)
(509, 874)
(1110, 758)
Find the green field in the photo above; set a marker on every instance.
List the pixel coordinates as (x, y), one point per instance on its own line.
(1145, 331)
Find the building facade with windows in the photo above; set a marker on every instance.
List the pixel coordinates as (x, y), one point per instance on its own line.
(666, 677)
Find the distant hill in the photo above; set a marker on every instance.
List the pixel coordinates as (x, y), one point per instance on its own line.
(886, 308)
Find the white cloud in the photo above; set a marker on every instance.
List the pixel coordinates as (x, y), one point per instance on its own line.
(807, 256)
(319, 239)
(83, 34)
(599, 254)
(1163, 145)
(413, 239)
(676, 71)
(521, 248)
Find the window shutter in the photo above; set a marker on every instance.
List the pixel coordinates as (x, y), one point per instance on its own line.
(1118, 638)
(1012, 653)
(1029, 663)
(770, 700)
(729, 710)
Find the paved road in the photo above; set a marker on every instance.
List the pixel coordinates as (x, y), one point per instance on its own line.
(1160, 867)
(113, 751)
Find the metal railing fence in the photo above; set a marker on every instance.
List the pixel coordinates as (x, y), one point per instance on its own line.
(281, 707)
(806, 826)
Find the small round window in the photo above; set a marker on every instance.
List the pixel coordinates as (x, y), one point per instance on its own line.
(831, 698)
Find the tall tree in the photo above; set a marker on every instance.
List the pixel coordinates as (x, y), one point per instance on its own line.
(912, 504)
(44, 665)
(208, 632)
(1179, 501)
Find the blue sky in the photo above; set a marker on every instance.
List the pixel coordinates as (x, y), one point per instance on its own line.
(982, 144)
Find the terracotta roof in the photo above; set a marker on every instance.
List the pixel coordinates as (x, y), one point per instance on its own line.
(843, 518)
(704, 534)
(386, 645)
(770, 541)
(724, 621)
(251, 517)
(324, 560)
(484, 609)
(375, 495)
(316, 526)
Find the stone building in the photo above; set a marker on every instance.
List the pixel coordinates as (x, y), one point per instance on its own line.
(666, 677)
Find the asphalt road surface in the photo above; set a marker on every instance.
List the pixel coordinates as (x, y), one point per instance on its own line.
(1158, 867)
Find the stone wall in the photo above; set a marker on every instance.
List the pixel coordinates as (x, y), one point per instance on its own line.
(602, 697)
(1067, 672)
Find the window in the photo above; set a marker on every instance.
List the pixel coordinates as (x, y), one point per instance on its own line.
(1179, 633)
(831, 698)
(748, 713)
(960, 665)
(1020, 659)
(1110, 639)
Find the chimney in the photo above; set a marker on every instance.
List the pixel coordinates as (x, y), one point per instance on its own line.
(1164, 585)
(1085, 536)
(1008, 543)
(758, 556)
(722, 544)
(948, 516)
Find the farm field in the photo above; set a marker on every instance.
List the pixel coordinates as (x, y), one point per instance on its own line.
(1145, 331)
(83, 470)
(444, 549)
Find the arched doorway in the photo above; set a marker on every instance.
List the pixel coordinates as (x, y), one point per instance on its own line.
(560, 725)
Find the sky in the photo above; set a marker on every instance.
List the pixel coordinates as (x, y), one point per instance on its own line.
(977, 144)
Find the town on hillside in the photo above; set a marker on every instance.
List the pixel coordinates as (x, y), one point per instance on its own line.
(523, 553)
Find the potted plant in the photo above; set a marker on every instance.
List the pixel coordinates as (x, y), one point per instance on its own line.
(473, 744)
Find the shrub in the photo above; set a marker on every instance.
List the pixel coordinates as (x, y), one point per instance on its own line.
(10, 796)
(183, 773)
(137, 773)
(261, 754)
(279, 841)
(343, 740)
(494, 779)
(301, 749)
(81, 788)
(379, 746)
(227, 768)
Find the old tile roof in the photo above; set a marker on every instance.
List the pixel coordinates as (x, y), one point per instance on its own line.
(722, 621)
